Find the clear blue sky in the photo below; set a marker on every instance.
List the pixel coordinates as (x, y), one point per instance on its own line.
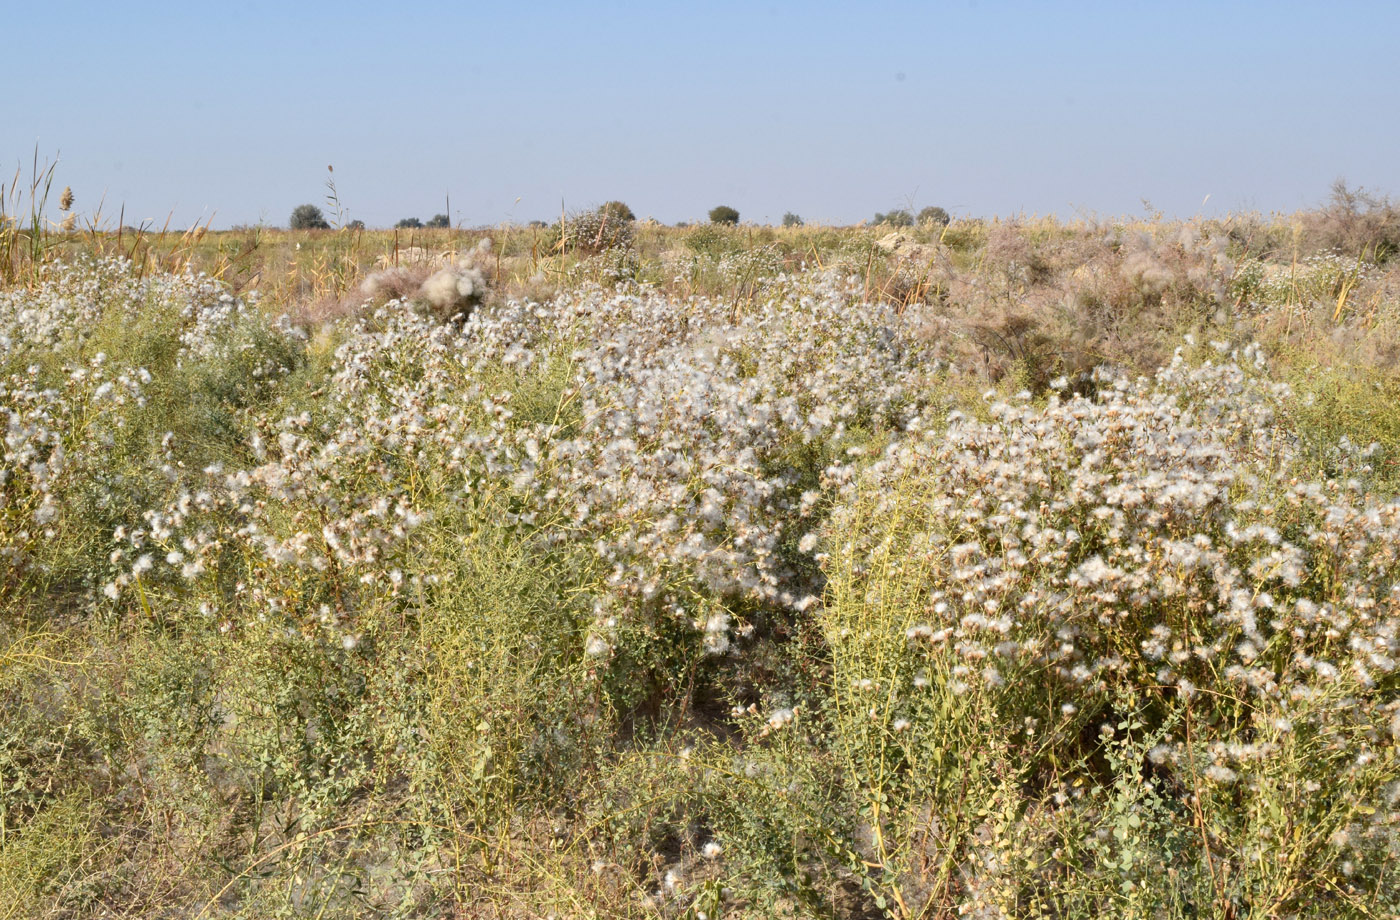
(831, 110)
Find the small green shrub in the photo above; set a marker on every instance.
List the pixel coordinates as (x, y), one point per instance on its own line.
(724, 214)
(308, 217)
(898, 218)
(617, 210)
(934, 216)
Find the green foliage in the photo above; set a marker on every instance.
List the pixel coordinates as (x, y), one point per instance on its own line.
(724, 214)
(409, 223)
(791, 220)
(1346, 418)
(933, 216)
(45, 862)
(439, 222)
(617, 210)
(308, 217)
(897, 218)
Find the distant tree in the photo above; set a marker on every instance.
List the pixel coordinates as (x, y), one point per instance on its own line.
(896, 219)
(934, 215)
(537, 224)
(409, 223)
(439, 222)
(355, 225)
(308, 217)
(617, 210)
(724, 214)
(791, 220)
(682, 224)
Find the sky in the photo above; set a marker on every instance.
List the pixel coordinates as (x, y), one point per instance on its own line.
(834, 111)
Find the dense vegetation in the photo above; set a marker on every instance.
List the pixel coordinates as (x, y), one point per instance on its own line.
(980, 568)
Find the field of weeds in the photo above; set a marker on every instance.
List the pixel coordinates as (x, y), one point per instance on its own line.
(995, 569)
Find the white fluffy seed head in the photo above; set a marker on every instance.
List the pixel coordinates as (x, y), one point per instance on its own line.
(453, 290)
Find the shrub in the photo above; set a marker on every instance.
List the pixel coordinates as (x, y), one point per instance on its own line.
(409, 223)
(617, 210)
(308, 217)
(895, 219)
(724, 214)
(597, 230)
(934, 216)
(355, 225)
(1355, 222)
(439, 222)
(1067, 635)
(791, 220)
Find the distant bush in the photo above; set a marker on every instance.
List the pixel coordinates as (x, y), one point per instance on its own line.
(308, 217)
(791, 220)
(895, 219)
(1356, 223)
(935, 216)
(596, 230)
(724, 214)
(439, 222)
(355, 225)
(617, 210)
(409, 223)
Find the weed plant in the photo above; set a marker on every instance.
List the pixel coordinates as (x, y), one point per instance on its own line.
(1018, 570)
